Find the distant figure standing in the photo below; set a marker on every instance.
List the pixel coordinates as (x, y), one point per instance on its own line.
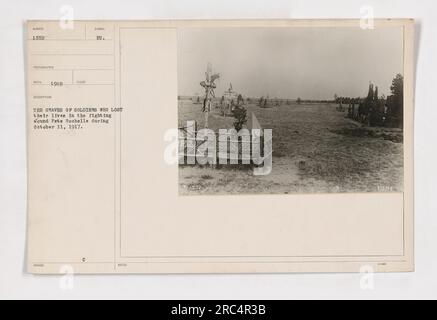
(230, 96)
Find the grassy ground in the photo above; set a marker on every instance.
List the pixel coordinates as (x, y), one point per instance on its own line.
(316, 150)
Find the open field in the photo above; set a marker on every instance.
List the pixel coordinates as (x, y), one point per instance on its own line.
(315, 150)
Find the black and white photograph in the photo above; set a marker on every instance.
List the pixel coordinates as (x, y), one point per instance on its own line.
(331, 97)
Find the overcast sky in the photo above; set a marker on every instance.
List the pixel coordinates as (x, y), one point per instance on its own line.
(310, 63)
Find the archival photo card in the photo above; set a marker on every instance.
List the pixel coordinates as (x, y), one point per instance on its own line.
(204, 146)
